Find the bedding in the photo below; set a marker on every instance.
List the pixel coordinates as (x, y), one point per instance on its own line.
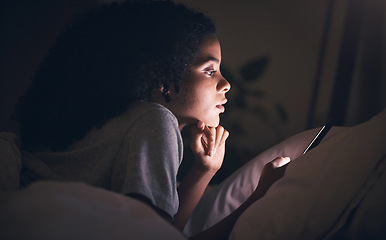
(54, 210)
(10, 162)
(322, 190)
(231, 193)
(335, 191)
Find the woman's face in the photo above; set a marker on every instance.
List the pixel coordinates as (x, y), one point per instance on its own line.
(202, 96)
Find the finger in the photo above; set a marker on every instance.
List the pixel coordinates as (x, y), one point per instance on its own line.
(201, 125)
(219, 134)
(196, 132)
(224, 137)
(280, 162)
(209, 134)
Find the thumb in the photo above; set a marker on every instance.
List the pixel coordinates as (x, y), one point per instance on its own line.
(280, 162)
(196, 132)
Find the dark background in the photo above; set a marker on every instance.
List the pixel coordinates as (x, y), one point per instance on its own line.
(292, 64)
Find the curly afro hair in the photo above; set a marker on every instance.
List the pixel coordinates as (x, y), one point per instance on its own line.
(108, 58)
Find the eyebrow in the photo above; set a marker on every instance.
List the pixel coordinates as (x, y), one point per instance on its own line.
(205, 60)
(212, 59)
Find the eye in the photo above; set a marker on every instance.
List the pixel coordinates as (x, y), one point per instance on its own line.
(210, 73)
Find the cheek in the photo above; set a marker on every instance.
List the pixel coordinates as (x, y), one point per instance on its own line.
(189, 96)
(196, 101)
(206, 111)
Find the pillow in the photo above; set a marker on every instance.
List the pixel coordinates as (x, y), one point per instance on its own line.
(53, 210)
(10, 162)
(231, 193)
(369, 219)
(334, 191)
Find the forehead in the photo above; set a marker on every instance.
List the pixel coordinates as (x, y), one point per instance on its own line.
(209, 50)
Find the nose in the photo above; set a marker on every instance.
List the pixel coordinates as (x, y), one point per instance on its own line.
(223, 85)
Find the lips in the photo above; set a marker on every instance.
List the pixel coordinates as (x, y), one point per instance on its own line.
(220, 106)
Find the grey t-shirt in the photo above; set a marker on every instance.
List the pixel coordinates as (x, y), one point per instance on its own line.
(138, 152)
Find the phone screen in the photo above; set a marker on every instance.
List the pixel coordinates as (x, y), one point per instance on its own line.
(319, 136)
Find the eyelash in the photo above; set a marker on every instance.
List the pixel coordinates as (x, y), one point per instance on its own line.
(210, 73)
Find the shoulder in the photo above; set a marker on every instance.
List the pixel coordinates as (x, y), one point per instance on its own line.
(152, 126)
(143, 119)
(152, 113)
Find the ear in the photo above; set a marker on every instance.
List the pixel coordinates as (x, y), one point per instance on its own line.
(166, 94)
(162, 95)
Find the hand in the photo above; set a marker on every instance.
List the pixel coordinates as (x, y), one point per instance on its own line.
(208, 145)
(272, 172)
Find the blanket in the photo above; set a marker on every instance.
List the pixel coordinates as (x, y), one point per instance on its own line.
(54, 210)
(334, 191)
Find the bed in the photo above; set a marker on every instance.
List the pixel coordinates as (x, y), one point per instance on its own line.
(335, 191)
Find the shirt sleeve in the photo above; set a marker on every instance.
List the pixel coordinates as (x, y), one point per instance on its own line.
(149, 160)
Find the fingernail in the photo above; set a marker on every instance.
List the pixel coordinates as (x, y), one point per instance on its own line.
(200, 124)
(211, 153)
(287, 159)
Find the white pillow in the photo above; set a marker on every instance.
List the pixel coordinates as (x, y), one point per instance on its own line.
(334, 191)
(317, 193)
(53, 210)
(231, 193)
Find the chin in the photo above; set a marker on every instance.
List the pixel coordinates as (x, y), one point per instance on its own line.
(213, 123)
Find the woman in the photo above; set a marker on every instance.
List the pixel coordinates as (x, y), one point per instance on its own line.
(107, 105)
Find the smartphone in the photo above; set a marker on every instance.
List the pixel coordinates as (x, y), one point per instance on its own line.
(319, 136)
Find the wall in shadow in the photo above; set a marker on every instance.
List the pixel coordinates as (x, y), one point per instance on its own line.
(271, 56)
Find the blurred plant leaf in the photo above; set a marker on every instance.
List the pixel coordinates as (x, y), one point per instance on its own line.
(256, 93)
(262, 112)
(283, 115)
(243, 90)
(254, 69)
(240, 102)
(227, 74)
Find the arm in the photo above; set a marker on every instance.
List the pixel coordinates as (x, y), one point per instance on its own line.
(148, 161)
(272, 171)
(208, 144)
